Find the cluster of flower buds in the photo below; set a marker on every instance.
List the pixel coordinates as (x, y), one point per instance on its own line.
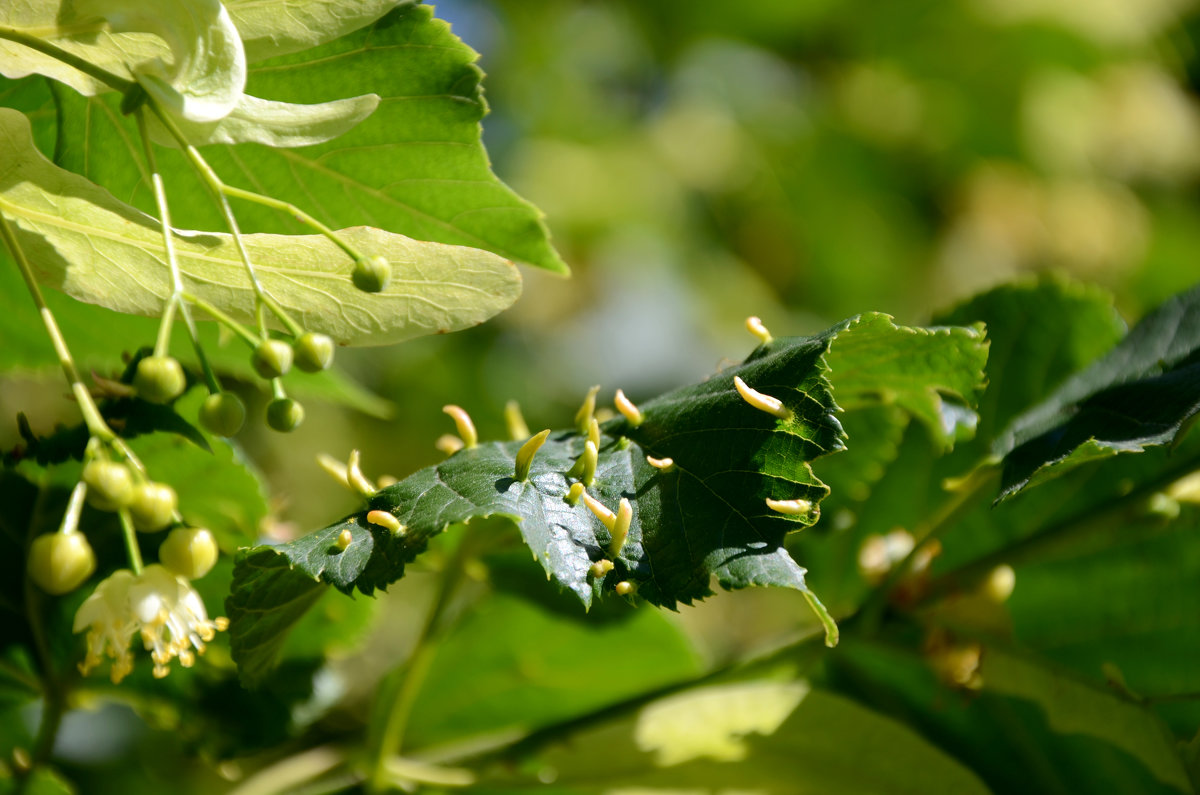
(156, 601)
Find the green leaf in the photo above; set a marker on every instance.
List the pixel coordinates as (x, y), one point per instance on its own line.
(513, 666)
(1074, 706)
(80, 31)
(706, 517)
(425, 134)
(759, 735)
(83, 241)
(1142, 393)
(1041, 332)
(279, 27)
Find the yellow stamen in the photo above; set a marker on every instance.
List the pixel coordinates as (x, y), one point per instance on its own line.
(758, 400)
(755, 326)
(527, 452)
(620, 527)
(387, 521)
(629, 409)
(606, 517)
(583, 417)
(462, 421)
(517, 429)
(790, 507)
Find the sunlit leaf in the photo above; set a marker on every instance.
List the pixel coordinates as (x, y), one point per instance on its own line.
(85, 242)
(279, 27)
(416, 166)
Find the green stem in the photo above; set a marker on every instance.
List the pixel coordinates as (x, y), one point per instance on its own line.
(871, 613)
(295, 212)
(106, 77)
(218, 190)
(96, 425)
(419, 662)
(237, 328)
(129, 535)
(163, 343)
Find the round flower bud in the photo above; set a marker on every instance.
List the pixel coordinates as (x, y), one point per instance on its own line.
(372, 274)
(284, 414)
(159, 379)
(110, 485)
(153, 506)
(272, 358)
(190, 552)
(314, 352)
(223, 413)
(60, 562)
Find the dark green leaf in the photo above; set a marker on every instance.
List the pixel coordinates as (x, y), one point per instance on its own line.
(1041, 332)
(707, 517)
(1142, 393)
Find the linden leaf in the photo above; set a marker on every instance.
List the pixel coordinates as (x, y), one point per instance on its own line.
(280, 27)
(1144, 392)
(704, 517)
(94, 248)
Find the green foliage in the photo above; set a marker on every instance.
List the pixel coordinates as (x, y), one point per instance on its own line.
(1142, 393)
(436, 287)
(705, 516)
(798, 162)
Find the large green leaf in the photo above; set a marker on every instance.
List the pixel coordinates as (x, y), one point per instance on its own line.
(777, 737)
(417, 166)
(1074, 706)
(82, 240)
(705, 517)
(1142, 393)
(278, 27)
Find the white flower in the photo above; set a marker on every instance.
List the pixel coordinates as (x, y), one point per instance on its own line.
(161, 606)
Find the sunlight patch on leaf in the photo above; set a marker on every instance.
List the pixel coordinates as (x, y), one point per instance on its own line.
(712, 722)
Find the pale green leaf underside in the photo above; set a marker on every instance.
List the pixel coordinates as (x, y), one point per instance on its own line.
(279, 27)
(707, 518)
(83, 241)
